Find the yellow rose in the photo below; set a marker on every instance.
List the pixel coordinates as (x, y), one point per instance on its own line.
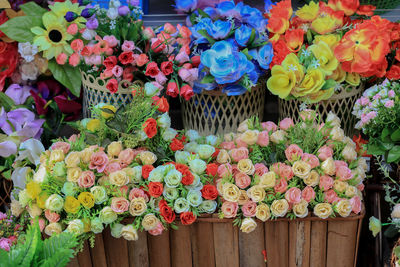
(248, 225)
(93, 125)
(323, 25)
(57, 155)
(72, 160)
(268, 180)
(337, 134)
(148, 158)
(109, 108)
(137, 206)
(308, 12)
(73, 174)
(53, 228)
(71, 205)
(41, 200)
(33, 189)
(256, 193)
(312, 83)
(42, 63)
(223, 157)
(249, 137)
(246, 166)
(291, 63)
(86, 225)
(34, 210)
(150, 222)
(330, 39)
(347, 140)
(118, 178)
(86, 154)
(230, 192)
(301, 209)
(328, 166)
(279, 207)
(349, 153)
(281, 81)
(262, 212)
(353, 79)
(16, 208)
(114, 149)
(339, 75)
(344, 207)
(86, 199)
(278, 136)
(129, 233)
(243, 197)
(351, 191)
(243, 126)
(312, 179)
(301, 169)
(323, 210)
(340, 186)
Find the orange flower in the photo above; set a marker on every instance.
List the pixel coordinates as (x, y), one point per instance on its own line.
(366, 10)
(294, 39)
(349, 7)
(279, 17)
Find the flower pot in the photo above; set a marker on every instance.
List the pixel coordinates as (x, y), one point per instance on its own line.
(95, 92)
(6, 187)
(341, 104)
(213, 112)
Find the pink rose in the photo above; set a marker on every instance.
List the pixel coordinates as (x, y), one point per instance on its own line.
(260, 169)
(74, 137)
(98, 161)
(324, 153)
(330, 196)
(160, 78)
(137, 192)
(119, 204)
(64, 146)
(325, 182)
(308, 193)
(286, 123)
(239, 153)
(227, 145)
(344, 173)
(42, 223)
(285, 171)
(74, 59)
(308, 115)
(263, 139)
(158, 230)
(229, 209)
(281, 186)
(240, 143)
(112, 167)
(224, 170)
(111, 40)
(310, 159)
(242, 180)
(360, 187)
(51, 216)
(356, 204)
(126, 157)
(124, 190)
(293, 195)
(340, 163)
(293, 152)
(128, 46)
(249, 209)
(86, 179)
(235, 169)
(182, 57)
(117, 71)
(269, 126)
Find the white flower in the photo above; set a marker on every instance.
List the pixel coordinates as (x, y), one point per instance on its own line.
(31, 149)
(29, 71)
(89, 34)
(19, 178)
(27, 51)
(112, 13)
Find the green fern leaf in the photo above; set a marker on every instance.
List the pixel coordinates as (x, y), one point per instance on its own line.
(59, 259)
(53, 244)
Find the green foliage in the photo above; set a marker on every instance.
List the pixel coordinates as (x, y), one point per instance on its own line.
(69, 76)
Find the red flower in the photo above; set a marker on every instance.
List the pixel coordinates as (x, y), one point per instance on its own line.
(187, 218)
(187, 92)
(393, 73)
(162, 104)
(195, 61)
(366, 10)
(40, 103)
(166, 212)
(187, 178)
(209, 192)
(172, 89)
(155, 189)
(157, 46)
(126, 57)
(68, 106)
(146, 170)
(215, 154)
(3, 18)
(167, 67)
(152, 70)
(112, 86)
(150, 127)
(212, 169)
(182, 168)
(398, 54)
(127, 74)
(176, 145)
(110, 62)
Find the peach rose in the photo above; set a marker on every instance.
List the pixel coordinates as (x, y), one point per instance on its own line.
(281, 186)
(325, 182)
(137, 192)
(340, 186)
(64, 146)
(286, 123)
(52, 217)
(312, 179)
(301, 169)
(269, 126)
(112, 167)
(344, 173)
(249, 209)
(240, 143)
(260, 169)
(310, 159)
(239, 153)
(223, 157)
(308, 193)
(98, 161)
(119, 204)
(243, 197)
(340, 163)
(86, 179)
(227, 145)
(344, 208)
(301, 209)
(229, 209)
(330, 196)
(328, 166)
(242, 180)
(323, 210)
(263, 139)
(267, 180)
(356, 204)
(224, 170)
(157, 230)
(126, 157)
(250, 137)
(285, 171)
(293, 195)
(246, 166)
(293, 153)
(325, 152)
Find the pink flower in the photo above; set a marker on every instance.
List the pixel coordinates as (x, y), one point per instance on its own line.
(61, 58)
(325, 182)
(310, 159)
(160, 78)
(3, 216)
(240, 143)
(260, 169)
(126, 157)
(389, 104)
(169, 28)
(371, 115)
(51, 216)
(263, 139)
(330, 196)
(148, 33)
(98, 161)
(308, 193)
(42, 223)
(364, 101)
(229, 209)
(324, 153)
(239, 153)
(360, 187)
(377, 96)
(111, 40)
(227, 145)
(340, 163)
(5, 244)
(293, 152)
(391, 94)
(188, 75)
(158, 230)
(107, 73)
(128, 46)
(77, 45)
(119, 204)
(112, 167)
(242, 180)
(86, 179)
(117, 71)
(72, 29)
(293, 195)
(269, 126)
(286, 123)
(74, 59)
(344, 173)
(283, 170)
(64, 146)
(182, 57)
(356, 204)
(281, 186)
(73, 137)
(249, 209)
(137, 192)
(224, 170)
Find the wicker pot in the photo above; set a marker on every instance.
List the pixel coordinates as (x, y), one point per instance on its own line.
(95, 92)
(6, 187)
(341, 104)
(213, 112)
(394, 259)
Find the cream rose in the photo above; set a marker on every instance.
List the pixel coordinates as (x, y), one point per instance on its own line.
(230, 192)
(150, 222)
(256, 193)
(349, 153)
(137, 206)
(337, 134)
(114, 149)
(249, 137)
(118, 178)
(351, 191)
(248, 225)
(243, 126)
(16, 208)
(279, 208)
(129, 233)
(395, 212)
(267, 180)
(312, 179)
(344, 207)
(148, 158)
(333, 119)
(328, 166)
(223, 157)
(40, 175)
(86, 154)
(76, 227)
(57, 155)
(301, 169)
(246, 166)
(72, 160)
(34, 210)
(340, 186)
(53, 228)
(263, 212)
(278, 136)
(301, 209)
(362, 163)
(243, 197)
(323, 210)
(73, 174)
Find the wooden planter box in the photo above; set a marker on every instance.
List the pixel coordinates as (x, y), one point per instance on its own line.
(308, 242)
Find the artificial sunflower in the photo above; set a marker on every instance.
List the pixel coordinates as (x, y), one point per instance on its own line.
(61, 8)
(53, 39)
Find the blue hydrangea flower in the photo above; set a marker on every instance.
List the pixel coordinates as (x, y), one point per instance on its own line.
(212, 12)
(264, 56)
(219, 29)
(186, 5)
(229, 9)
(242, 35)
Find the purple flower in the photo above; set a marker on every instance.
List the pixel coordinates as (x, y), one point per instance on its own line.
(71, 16)
(123, 10)
(3, 215)
(88, 12)
(7, 148)
(92, 23)
(5, 244)
(389, 104)
(22, 122)
(134, 2)
(18, 93)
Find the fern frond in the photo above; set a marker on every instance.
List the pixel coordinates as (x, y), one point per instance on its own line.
(53, 244)
(59, 259)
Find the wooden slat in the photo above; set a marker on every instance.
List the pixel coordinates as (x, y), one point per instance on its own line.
(203, 245)
(299, 245)
(318, 243)
(251, 246)
(84, 257)
(138, 252)
(226, 244)
(181, 249)
(342, 236)
(98, 253)
(116, 250)
(159, 250)
(73, 263)
(276, 243)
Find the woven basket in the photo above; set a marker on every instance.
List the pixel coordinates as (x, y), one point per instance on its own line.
(213, 112)
(6, 187)
(341, 104)
(394, 259)
(95, 92)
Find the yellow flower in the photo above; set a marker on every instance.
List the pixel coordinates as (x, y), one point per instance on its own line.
(328, 166)
(267, 180)
(279, 207)
(61, 8)
(256, 193)
(291, 63)
(73, 174)
(33, 189)
(329, 39)
(301, 169)
(320, 95)
(246, 166)
(340, 186)
(325, 56)
(262, 212)
(72, 159)
(148, 158)
(86, 199)
(93, 125)
(339, 75)
(344, 207)
(230, 192)
(249, 137)
(105, 114)
(308, 12)
(137, 206)
(119, 178)
(323, 210)
(248, 225)
(353, 79)
(150, 222)
(243, 197)
(57, 155)
(114, 149)
(312, 83)
(86, 225)
(41, 200)
(301, 209)
(323, 25)
(281, 81)
(312, 179)
(71, 204)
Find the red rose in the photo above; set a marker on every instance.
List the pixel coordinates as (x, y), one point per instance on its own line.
(367, 10)
(3, 19)
(393, 73)
(187, 178)
(172, 89)
(181, 167)
(215, 154)
(110, 62)
(152, 70)
(187, 92)
(195, 61)
(150, 127)
(126, 57)
(162, 104)
(398, 54)
(146, 170)
(211, 169)
(155, 189)
(157, 46)
(166, 212)
(209, 192)
(127, 74)
(112, 86)
(176, 145)
(187, 218)
(167, 67)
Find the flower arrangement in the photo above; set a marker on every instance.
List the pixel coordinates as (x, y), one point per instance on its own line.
(378, 113)
(228, 33)
(10, 229)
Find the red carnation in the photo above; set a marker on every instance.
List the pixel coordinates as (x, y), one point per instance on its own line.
(157, 46)
(126, 57)
(212, 169)
(166, 212)
(172, 89)
(176, 145)
(146, 170)
(110, 62)
(366, 10)
(167, 67)
(155, 189)
(187, 218)
(187, 92)
(152, 70)
(150, 127)
(209, 191)
(112, 86)
(393, 73)
(181, 167)
(187, 178)
(196, 61)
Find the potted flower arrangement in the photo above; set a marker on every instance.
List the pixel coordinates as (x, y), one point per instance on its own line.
(232, 45)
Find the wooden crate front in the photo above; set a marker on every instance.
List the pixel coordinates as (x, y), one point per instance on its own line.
(211, 242)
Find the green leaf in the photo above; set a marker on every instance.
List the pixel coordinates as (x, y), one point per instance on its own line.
(395, 136)
(204, 33)
(69, 76)
(193, 18)
(6, 101)
(252, 37)
(19, 28)
(374, 149)
(397, 252)
(32, 9)
(385, 133)
(202, 13)
(328, 84)
(394, 154)
(208, 79)
(63, 240)
(246, 52)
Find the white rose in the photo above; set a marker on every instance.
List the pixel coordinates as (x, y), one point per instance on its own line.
(29, 71)
(279, 207)
(248, 225)
(333, 119)
(337, 134)
(349, 153)
(278, 136)
(27, 51)
(129, 233)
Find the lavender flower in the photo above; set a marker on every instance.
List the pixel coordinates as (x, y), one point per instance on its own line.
(123, 10)
(134, 2)
(92, 23)
(18, 93)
